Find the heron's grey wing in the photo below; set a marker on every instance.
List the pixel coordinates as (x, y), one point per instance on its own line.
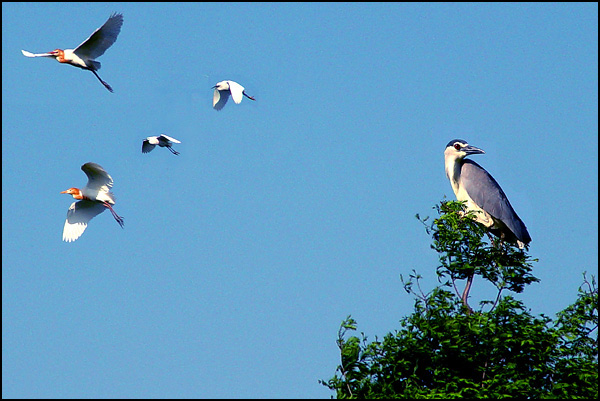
(101, 39)
(220, 98)
(147, 146)
(78, 216)
(98, 178)
(485, 192)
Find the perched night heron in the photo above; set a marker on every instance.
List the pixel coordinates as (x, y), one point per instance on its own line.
(473, 184)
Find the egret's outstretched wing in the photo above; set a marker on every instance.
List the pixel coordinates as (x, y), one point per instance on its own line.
(98, 178)
(220, 97)
(168, 138)
(492, 199)
(102, 38)
(147, 146)
(78, 216)
(29, 54)
(237, 91)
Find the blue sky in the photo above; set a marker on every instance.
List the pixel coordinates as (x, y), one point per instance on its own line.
(241, 256)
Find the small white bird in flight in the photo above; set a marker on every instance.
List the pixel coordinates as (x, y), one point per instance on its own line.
(222, 91)
(162, 140)
(93, 200)
(83, 55)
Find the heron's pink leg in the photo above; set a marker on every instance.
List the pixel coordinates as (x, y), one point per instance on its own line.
(115, 215)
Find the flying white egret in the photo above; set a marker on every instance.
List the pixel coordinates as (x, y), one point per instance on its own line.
(222, 91)
(162, 140)
(94, 198)
(83, 56)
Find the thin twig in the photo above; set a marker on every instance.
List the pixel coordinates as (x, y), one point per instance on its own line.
(466, 292)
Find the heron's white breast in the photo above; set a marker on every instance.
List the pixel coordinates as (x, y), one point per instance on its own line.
(102, 196)
(75, 59)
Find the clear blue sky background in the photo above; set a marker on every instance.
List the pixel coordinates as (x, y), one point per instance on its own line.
(240, 257)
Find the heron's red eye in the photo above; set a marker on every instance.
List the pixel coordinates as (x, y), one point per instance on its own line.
(457, 146)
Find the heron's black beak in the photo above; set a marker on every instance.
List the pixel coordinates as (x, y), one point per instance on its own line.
(472, 150)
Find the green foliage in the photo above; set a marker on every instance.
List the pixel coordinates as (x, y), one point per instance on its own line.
(446, 350)
(464, 253)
